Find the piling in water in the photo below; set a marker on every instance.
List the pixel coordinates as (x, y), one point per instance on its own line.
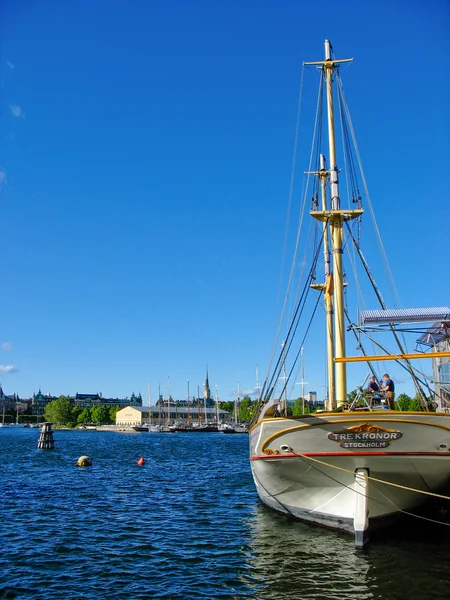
(46, 441)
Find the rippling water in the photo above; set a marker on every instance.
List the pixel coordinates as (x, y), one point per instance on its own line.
(187, 525)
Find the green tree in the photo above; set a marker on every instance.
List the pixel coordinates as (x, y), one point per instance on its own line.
(59, 411)
(76, 411)
(228, 406)
(113, 410)
(351, 396)
(416, 403)
(403, 401)
(297, 408)
(246, 409)
(100, 414)
(84, 416)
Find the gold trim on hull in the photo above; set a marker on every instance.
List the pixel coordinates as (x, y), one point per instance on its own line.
(351, 420)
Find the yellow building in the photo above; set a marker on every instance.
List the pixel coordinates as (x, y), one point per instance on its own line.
(131, 415)
(165, 415)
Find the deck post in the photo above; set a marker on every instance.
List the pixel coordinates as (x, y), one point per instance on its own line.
(361, 516)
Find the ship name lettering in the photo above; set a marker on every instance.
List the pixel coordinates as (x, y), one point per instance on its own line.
(364, 436)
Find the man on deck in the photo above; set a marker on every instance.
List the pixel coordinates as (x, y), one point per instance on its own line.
(389, 388)
(373, 386)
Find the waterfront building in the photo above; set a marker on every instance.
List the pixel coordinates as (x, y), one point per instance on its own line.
(313, 402)
(138, 415)
(7, 402)
(11, 404)
(91, 400)
(39, 401)
(311, 398)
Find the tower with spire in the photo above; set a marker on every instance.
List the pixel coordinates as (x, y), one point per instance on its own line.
(206, 389)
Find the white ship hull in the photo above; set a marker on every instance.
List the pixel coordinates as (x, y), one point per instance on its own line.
(298, 470)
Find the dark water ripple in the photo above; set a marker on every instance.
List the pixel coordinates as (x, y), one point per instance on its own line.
(186, 526)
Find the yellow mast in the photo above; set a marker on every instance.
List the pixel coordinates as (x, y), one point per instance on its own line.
(327, 288)
(335, 217)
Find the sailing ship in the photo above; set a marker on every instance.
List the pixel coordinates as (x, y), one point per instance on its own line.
(356, 465)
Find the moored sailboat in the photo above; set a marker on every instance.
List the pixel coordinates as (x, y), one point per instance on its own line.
(148, 427)
(351, 467)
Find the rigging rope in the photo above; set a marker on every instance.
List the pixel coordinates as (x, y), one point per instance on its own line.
(408, 365)
(397, 485)
(401, 362)
(291, 332)
(390, 278)
(291, 276)
(303, 341)
(370, 497)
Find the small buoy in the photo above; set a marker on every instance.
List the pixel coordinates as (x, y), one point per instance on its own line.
(84, 461)
(141, 461)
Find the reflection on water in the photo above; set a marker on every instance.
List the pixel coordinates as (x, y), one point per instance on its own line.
(288, 559)
(186, 526)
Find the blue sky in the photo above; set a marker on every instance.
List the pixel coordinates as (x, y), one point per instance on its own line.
(145, 159)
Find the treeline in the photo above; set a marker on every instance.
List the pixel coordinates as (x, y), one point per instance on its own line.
(11, 415)
(247, 407)
(403, 402)
(63, 412)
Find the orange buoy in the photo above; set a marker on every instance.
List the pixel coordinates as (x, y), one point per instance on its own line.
(141, 461)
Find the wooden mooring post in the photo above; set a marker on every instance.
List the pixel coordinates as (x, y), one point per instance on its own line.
(46, 441)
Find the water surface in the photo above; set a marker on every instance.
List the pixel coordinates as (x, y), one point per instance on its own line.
(185, 526)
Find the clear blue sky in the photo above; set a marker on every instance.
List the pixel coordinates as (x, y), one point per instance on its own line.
(145, 157)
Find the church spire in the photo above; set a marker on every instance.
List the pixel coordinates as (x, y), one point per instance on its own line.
(206, 390)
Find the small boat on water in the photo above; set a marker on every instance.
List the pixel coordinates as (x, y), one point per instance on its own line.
(237, 428)
(356, 465)
(147, 428)
(212, 428)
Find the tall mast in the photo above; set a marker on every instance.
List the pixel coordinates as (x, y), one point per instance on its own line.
(335, 217)
(206, 395)
(303, 379)
(149, 404)
(327, 288)
(217, 404)
(168, 400)
(159, 403)
(188, 405)
(336, 224)
(238, 404)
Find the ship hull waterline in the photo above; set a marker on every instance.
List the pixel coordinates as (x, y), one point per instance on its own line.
(302, 468)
